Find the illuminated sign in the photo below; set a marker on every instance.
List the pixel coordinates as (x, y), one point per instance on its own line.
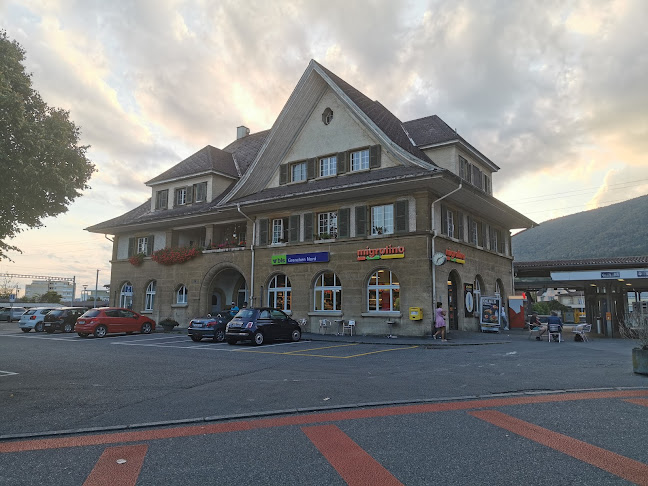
(386, 253)
(321, 256)
(455, 256)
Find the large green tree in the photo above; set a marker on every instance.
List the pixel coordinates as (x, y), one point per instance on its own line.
(42, 166)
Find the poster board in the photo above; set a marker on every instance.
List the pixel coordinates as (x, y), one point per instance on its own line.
(469, 300)
(489, 316)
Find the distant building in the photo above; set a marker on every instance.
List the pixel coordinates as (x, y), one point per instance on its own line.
(40, 287)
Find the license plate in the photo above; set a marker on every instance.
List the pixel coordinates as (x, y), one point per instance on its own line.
(197, 324)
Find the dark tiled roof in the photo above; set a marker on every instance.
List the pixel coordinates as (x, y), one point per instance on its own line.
(381, 116)
(432, 130)
(127, 218)
(587, 262)
(205, 160)
(246, 149)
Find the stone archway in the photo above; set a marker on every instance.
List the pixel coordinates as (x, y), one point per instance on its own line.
(221, 286)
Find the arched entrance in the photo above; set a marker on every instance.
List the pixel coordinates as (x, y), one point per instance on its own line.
(454, 283)
(226, 285)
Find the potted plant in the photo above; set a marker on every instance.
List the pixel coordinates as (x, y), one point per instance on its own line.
(168, 324)
(137, 259)
(635, 326)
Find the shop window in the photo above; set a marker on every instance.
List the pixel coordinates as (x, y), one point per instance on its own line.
(280, 293)
(383, 292)
(126, 295)
(328, 292)
(150, 296)
(382, 220)
(181, 295)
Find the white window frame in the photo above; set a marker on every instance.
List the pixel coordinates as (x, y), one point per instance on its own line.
(328, 166)
(181, 196)
(125, 301)
(142, 245)
(299, 172)
(450, 226)
(382, 219)
(275, 291)
(181, 295)
(327, 223)
(277, 230)
(321, 290)
(360, 160)
(200, 192)
(150, 296)
(393, 287)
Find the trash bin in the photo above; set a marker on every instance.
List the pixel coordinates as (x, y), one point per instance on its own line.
(415, 314)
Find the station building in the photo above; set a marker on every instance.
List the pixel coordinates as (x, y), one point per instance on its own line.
(339, 211)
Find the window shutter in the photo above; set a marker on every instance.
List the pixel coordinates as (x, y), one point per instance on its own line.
(344, 220)
(444, 220)
(361, 220)
(484, 238)
(460, 225)
(470, 231)
(308, 227)
(131, 247)
(284, 235)
(374, 156)
(342, 162)
(293, 235)
(283, 173)
(149, 247)
(263, 232)
(189, 194)
(500, 242)
(312, 169)
(401, 225)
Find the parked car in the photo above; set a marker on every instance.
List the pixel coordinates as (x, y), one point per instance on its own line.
(211, 327)
(11, 313)
(33, 319)
(104, 320)
(62, 319)
(261, 324)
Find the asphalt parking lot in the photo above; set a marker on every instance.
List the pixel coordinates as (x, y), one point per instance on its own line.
(161, 409)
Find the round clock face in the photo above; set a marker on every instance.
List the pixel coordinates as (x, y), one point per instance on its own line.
(439, 259)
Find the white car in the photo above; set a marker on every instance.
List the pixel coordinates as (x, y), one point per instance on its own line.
(33, 318)
(11, 313)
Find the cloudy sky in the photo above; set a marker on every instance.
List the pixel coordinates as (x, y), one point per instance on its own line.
(554, 92)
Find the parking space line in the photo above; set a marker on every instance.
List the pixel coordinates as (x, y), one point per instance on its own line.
(383, 351)
(621, 466)
(7, 373)
(118, 465)
(352, 462)
(638, 401)
(306, 352)
(74, 339)
(323, 347)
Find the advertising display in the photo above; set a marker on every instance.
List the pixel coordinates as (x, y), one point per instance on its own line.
(490, 314)
(469, 300)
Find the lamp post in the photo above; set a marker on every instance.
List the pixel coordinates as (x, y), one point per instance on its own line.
(84, 295)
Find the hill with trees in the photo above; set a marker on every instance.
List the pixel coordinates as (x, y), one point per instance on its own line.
(617, 230)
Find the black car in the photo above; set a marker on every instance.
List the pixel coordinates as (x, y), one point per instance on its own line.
(62, 319)
(261, 324)
(211, 327)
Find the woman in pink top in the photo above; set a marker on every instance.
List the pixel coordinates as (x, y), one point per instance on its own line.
(440, 323)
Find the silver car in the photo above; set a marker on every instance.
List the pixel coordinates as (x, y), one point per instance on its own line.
(11, 313)
(33, 318)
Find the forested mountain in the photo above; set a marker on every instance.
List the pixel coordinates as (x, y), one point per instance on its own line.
(613, 231)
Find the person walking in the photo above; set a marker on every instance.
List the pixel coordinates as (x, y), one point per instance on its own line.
(440, 322)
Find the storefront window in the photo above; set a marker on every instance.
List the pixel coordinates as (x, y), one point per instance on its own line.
(126, 296)
(279, 293)
(383, 292)
(328, 292)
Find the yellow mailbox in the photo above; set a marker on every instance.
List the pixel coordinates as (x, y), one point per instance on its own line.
(415, 313)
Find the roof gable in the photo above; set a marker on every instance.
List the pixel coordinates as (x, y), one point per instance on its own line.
(207, 159)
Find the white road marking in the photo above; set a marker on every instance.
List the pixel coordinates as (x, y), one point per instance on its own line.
(7, 373)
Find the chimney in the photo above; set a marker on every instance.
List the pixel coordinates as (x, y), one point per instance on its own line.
(242, 131)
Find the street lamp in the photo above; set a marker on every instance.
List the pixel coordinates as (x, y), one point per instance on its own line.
(84, 296)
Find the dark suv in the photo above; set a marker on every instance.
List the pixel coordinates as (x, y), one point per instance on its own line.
(62, 319)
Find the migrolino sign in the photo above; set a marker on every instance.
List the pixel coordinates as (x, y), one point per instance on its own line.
(385, 253)
(455, 256)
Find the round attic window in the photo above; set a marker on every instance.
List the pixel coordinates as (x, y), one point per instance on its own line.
(327, 116)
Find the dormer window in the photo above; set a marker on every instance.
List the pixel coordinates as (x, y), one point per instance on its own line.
(162, 199)
(181, 196)
(200, 192)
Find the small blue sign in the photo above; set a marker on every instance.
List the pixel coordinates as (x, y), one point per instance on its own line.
(642, 273)
(321, 256)
(610, 274)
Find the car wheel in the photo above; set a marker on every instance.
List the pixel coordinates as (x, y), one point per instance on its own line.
(219, 336)
(196, 338)
(258, 338)
(38, 327)
(82, 334)
(49, 331)
(232, 341)
(101, 331)
(25, 329)
(68, 328)
(146, 328)
(295, 336)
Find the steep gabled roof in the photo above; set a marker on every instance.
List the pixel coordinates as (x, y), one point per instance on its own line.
(207, 159)
(245, 149)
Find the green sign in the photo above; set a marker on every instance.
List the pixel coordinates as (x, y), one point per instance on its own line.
(278, 259)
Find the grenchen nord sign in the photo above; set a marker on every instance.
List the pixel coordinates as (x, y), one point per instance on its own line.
(385, 253)
(321, 256)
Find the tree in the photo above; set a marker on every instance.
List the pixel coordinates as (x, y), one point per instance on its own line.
(43, 168)
(51, 297)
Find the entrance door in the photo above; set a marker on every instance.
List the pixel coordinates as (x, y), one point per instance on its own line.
(215, 303)
(453, 317)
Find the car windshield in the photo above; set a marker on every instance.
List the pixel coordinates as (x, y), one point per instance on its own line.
(245, 313)
(92, 313)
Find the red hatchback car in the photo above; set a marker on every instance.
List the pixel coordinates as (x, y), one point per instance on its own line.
(103, 320)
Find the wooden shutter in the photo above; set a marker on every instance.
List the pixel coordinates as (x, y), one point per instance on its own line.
(312, 169)
(293, 233)
(131, 247)
(189, 190)
(283, 173)
(344, 221)
(342, 162)
(460, 226)
(374, 156)
(484, 235)
(444, 220)
(284, 232)
(361, 220)
(308, 227)
(401, 225)
(263, 232)
(149, 246)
